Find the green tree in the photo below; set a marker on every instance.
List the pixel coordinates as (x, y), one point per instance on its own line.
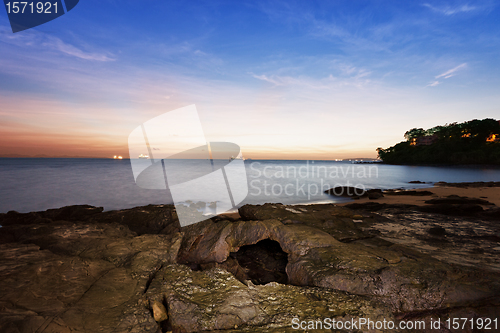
(414, 133)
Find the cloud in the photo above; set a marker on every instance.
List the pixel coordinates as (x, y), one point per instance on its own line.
(276, 80)
(446, 75)
(43, 41)
(71, 50)
(450, 10)
(451, 72)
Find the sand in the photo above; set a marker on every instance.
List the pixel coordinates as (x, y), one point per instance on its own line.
(491, 194)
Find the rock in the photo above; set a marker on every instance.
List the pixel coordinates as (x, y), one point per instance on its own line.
(315, 258)
(469, 184)
(71, 213)
(79, 276)
(455, 199)
(375, 206)
(408, 192)
(452, 209)
(335, 220)
(159, 311)
(109, 272)
(437, 231)
(375, 195)
(346, 191)
(151, 219)
(215, 300)
(416, 182)
(491, 214)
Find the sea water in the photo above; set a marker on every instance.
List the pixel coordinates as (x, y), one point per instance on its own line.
(35, 184)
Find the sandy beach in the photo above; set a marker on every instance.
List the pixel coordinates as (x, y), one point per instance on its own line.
(491, 194)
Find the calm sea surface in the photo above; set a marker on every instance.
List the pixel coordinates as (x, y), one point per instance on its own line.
(34, 184)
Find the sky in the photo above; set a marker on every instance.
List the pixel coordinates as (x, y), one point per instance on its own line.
(282, 79)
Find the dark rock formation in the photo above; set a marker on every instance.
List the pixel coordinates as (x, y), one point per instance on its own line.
(135, 270)
(458, 200)
(78, 276)
(469, 184)
(408, 192)
(354, 192)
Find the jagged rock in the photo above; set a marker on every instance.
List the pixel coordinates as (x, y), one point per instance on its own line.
(215, 300)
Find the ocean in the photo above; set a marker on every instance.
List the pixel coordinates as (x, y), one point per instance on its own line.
(35, 184)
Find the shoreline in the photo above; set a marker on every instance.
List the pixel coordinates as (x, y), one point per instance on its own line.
(491, 194)
(439, 190)
(137, 270)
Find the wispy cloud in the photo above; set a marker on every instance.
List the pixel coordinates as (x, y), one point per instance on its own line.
(44, 41)
(71, 50)
(447, 74)
(447, 10)
(451, 72)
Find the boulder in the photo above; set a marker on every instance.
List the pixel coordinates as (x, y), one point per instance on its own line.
(215, 300)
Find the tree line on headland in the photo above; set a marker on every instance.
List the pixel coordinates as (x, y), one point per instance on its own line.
(470, 142)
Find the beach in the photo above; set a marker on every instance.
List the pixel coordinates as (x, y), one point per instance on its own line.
(491, 194)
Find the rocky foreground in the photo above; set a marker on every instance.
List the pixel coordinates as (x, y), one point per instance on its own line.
(79, 269)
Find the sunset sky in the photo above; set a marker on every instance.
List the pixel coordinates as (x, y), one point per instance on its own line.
(282, 79)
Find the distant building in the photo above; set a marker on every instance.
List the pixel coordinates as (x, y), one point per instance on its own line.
(493, 138)
(425, 140)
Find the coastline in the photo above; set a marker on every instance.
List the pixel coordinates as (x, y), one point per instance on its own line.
(491, 194)
(137, 270)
